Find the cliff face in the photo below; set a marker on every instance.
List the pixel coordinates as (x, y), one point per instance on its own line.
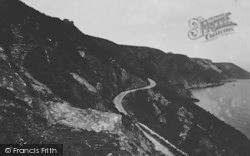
(233, 71)
(178, 70)
(57, 86)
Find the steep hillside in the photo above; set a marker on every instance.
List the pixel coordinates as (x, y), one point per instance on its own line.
(176, 69)
(54, 91)
(57, 85)
(233, 71)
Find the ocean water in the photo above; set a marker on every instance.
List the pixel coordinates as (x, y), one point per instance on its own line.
(230, 103)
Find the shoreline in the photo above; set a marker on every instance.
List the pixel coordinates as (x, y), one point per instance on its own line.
(230, 107)
(197, 87)
(215, 85)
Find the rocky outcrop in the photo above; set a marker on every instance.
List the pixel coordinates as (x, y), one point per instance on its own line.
(207, 64)
(79, 119)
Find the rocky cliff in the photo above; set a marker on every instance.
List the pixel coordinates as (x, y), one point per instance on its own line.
(233, 71)
(57, 86)
(177, 69)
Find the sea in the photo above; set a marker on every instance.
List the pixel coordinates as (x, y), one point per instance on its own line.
(229, 102)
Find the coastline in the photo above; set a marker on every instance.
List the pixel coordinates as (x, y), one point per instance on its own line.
(229, 116)
(211, 85)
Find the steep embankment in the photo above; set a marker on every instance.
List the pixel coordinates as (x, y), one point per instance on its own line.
(185, 125)
(150, 134)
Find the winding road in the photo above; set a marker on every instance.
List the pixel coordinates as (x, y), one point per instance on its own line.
(118, 99)
(149, 133)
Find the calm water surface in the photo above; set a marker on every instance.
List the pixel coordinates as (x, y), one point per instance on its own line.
(230, 103)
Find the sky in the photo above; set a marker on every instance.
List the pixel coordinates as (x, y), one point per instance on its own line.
(161, 24)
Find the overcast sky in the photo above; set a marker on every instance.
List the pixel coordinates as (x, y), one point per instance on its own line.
(161, 24)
